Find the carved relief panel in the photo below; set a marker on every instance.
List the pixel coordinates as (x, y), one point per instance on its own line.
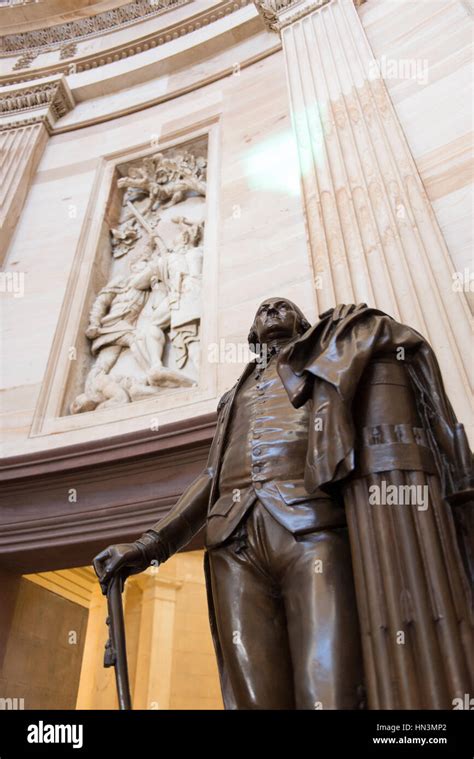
(140, 305)
(143, 326)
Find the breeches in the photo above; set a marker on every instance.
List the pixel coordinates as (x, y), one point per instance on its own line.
(286, 617)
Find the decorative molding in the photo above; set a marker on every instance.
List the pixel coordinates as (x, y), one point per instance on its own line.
(68, 50)
(84, 28)
(171, 438)
(277, 14)
(25, 60)
(25, 104)
(135, 47)
(123, 486)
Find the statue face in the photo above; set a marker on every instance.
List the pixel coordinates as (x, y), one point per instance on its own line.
(275, 319)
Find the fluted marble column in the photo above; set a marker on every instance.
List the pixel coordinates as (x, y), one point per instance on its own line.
(373, 235)
(28, 112)
(152, 686)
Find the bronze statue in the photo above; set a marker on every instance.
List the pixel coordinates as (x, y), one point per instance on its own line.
(369, 437)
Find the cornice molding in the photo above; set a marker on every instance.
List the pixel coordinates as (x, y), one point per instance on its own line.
(277, 14)
(85, 28)
(127, 50)
(123, 484)
(183, 434)
(45, 101)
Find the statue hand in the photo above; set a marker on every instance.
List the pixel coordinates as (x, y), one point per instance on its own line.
(92, 332)
(124, 559)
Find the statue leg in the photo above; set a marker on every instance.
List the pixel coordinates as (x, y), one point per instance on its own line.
(287, 627)
(106, 359)
(147, 347)
(148, 342)
(251, 638)
(323, 626)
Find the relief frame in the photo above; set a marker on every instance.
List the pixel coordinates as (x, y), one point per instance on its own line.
(70, 356)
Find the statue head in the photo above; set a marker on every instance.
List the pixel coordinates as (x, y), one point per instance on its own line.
(277, 319)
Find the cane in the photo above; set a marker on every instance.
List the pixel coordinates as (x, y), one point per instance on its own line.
(115, 648)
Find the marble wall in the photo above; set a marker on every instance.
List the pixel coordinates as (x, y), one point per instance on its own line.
(257, 233)
(257, 226)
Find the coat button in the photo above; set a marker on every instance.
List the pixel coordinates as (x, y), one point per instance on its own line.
(257, 451)
(258, 485)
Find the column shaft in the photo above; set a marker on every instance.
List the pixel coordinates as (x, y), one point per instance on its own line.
(152, 688)
(20, 151)
(372, 232)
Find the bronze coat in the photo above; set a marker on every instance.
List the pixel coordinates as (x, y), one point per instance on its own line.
(386, 423)
(338, 350)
